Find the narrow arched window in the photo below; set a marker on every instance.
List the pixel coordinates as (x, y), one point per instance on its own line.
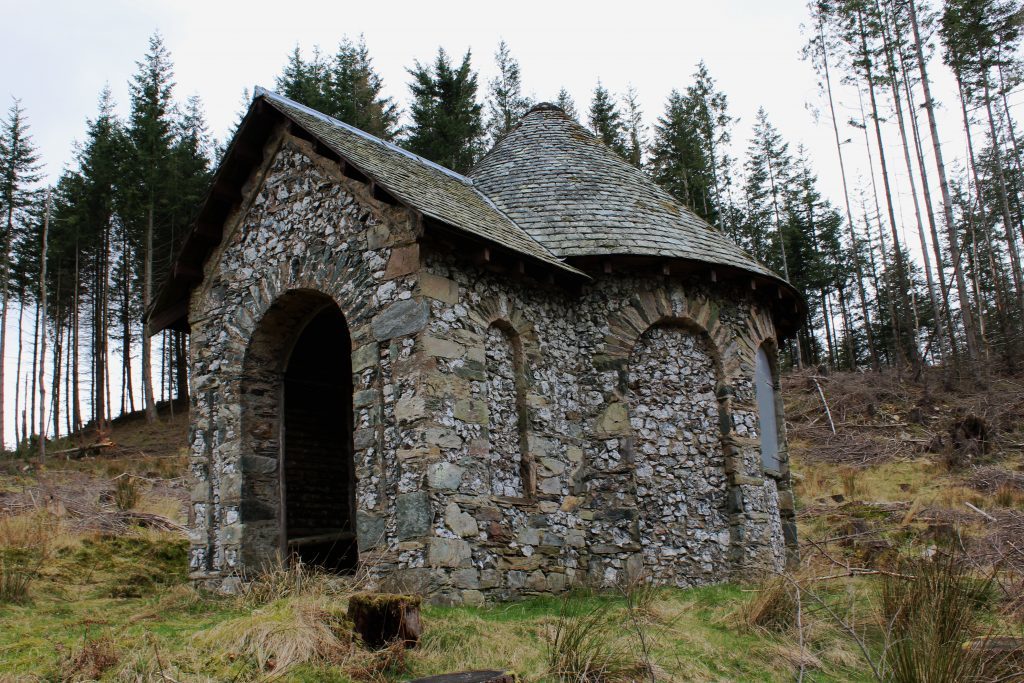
(764, 383)
(506, 420)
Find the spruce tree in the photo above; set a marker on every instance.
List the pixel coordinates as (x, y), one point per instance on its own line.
(20, 172)
(606, 121)
(150, 132)
(346, 87)
(447, 125)
(506, 103)
(678, 162)
(634, 128)
(567, 104)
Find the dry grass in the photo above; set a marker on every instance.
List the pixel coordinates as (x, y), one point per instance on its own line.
(774, 607)
(283, 635)
(91, 660)
(585, 645)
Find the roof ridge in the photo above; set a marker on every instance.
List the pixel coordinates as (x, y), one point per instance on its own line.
(259, 91)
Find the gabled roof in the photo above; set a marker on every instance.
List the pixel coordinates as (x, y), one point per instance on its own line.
(563, 186)
(430, 188)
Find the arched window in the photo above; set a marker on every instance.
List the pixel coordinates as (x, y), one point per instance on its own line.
(506, 420)
(764, 384)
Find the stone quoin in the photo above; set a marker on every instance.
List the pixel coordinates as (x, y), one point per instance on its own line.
(474, 388)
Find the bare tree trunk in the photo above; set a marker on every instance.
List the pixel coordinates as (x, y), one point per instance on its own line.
(19, 434)
(798, 357)
(35, 364)
(1011, 233)
(1009, 353)
(147, 294)
(907, 346)
(970, 332)
(930, 210)
(858, 269)
(76, 403)
(867, 226)
(42, 342)
(897, 101)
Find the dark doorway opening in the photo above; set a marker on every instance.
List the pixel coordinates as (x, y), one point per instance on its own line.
(319, 481)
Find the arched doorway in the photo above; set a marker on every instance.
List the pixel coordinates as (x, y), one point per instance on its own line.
(317, 477)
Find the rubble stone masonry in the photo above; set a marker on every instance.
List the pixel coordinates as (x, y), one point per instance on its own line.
(509, 437)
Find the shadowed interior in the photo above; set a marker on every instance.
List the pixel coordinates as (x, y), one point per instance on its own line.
(319, 482)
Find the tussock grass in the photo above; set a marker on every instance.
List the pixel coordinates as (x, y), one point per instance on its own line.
(773, 608)
(930, 618)
(284, 634)
(126, 492)
(26, 542)
(584, 645)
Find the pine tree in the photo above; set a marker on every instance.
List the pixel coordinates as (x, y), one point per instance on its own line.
(20, 171)
(506, 103)
(447, 125)
(567, 104)
(606, 121)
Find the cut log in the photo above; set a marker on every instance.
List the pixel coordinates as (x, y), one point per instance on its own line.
(470, 677)
(382, 618)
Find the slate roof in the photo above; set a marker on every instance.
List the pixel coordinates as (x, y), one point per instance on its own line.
(563, 186)
(430, 188)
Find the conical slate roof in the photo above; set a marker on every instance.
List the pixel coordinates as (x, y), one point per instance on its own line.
(567, 190)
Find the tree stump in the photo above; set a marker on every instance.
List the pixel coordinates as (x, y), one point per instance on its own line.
(470, 677)
(383, 618)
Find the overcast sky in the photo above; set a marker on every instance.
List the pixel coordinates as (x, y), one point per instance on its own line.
(57, 55)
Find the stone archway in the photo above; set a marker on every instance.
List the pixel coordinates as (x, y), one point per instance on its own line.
(298, 476)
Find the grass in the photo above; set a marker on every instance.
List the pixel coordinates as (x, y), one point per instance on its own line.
(117, 606)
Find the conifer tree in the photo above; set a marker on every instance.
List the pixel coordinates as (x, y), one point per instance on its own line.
(567, 104)
(151, 135)
(447, 125)
(346, 87)
(606, 121)
(678, 162)
(506, 103)
(20, 171)
(634, 127)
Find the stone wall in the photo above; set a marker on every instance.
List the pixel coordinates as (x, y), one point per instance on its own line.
(509, 437)
(679, 468)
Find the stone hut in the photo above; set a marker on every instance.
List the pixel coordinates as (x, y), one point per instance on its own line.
(546, 373)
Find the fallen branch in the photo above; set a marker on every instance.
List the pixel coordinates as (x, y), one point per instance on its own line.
(981, 512)
(825, 403)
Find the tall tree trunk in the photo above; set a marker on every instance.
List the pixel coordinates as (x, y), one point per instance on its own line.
(1004, 203)
(42, 342)
(857, 266)
(897, 102)
(930, 210)
(970, 331)
(886, 275)
(19, 434)
(782, 248)
(147, 294)
(35, 364)
(905, 345)
(1009, 353)
(76, 403)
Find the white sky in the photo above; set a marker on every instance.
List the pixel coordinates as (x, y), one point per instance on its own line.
(57, 55)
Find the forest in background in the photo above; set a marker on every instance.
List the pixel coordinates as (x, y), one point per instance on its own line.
(939, 285)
